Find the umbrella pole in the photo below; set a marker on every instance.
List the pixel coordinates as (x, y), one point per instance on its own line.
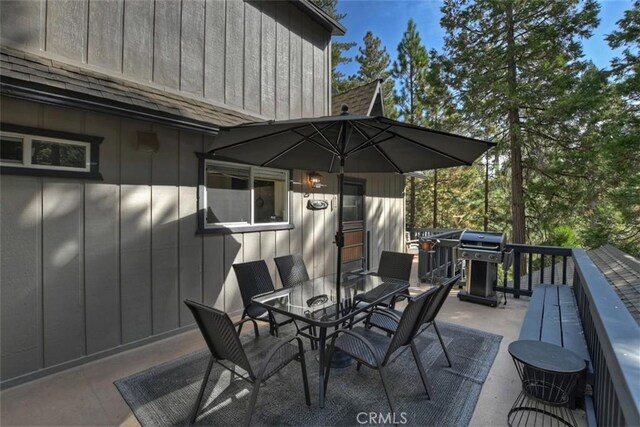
(340, 359)
(340, 232)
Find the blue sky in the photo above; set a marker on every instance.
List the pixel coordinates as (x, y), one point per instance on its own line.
(388, 20)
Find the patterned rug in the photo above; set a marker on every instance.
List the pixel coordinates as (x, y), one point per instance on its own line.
(164, 395)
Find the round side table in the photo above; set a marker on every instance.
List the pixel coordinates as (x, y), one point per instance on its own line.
(549, 374)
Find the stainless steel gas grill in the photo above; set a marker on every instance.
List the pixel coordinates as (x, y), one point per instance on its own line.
(483, 252)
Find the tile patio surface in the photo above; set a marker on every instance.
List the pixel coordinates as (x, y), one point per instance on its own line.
(86, 395)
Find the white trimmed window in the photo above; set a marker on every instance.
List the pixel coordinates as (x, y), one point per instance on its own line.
(237, 195)
(18, 150)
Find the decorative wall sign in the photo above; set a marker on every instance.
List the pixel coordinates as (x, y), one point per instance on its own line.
(316, 205)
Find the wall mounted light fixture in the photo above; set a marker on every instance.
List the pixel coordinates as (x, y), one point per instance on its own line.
(315, 180)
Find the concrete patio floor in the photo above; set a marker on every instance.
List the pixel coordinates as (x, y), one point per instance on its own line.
(86, 395)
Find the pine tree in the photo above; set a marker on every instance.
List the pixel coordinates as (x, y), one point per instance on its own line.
(440, 114)
(339, 81)
(375, 64)
(410, 69)
(621, 150)
(509, 61)
(627, 68)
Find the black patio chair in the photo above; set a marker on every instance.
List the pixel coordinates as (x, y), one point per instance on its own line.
(387, 319)
(224, 344)
(374, 350)
(254, 279)
(291, 269)
(393, 265)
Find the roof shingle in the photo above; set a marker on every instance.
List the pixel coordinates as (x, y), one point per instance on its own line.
(623, 273)
(31, 69)
(359, 99)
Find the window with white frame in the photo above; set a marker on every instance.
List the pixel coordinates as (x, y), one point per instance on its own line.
(239, 195)
(19, 150)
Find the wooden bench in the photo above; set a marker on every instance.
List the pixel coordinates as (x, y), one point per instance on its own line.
(553, 317)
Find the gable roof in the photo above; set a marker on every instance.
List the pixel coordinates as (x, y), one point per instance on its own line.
(336, 28)
(28, 76)
(364, 100)
(623, 273)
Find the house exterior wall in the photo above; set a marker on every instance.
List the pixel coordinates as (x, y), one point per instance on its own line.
(88, 268)
(267, 58)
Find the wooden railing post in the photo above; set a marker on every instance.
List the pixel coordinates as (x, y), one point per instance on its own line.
(516, 272)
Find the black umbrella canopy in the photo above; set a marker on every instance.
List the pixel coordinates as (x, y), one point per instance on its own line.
(345, 143)
(365, 143)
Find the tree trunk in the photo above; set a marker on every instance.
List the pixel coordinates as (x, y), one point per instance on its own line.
(435, 198)
(517, 193)
(486, 192)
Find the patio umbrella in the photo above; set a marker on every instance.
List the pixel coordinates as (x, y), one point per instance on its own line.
(345, 143)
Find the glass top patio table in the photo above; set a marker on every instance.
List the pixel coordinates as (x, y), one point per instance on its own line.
(314, 302)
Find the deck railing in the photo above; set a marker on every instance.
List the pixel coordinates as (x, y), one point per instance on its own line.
(613, 339)
(611, 333)
(541, 264)
(444, 260)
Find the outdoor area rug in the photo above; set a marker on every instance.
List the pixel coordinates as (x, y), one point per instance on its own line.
(164, 395)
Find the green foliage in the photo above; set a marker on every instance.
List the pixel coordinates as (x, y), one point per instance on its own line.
(410, 70)
(514, 66)
(563, 235)
(622, 150)
(339, 81)
(441, 112)
(375, 64)
(627, 37)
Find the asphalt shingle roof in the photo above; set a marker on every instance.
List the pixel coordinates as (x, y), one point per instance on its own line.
(358, 99)
(32, 69)
(623, 273)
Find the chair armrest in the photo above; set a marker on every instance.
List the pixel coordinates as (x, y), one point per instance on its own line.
(273, 352)
(243, 321)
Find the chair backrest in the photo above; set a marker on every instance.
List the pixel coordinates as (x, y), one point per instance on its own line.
(291, 269)
(220, 335)
(253, 279)
(410, 322)
(395, 265)
(432, 309)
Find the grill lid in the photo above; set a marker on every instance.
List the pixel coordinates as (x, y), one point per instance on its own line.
(483, 240)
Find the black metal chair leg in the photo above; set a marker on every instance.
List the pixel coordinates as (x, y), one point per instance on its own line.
(244, 314)
(252, 401)
(423, 375)
(444, 348)
(305, 381)
(386, 390)
(203, 386)
(314, 343)
(328, 363)
(358, 366)
(273, 327)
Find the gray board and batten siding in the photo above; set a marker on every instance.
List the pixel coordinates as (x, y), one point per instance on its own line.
(89, 268)
(269, 58)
